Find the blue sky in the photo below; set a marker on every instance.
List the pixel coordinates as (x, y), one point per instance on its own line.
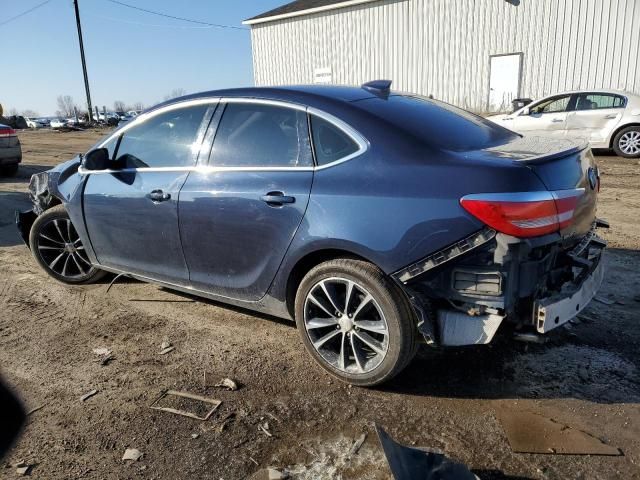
(131, 56)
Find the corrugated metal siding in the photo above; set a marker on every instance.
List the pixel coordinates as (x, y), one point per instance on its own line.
(442, 47)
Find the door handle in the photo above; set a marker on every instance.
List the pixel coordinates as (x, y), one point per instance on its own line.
(157, 196)
(557, 120)
(611, 116)
(277, 199)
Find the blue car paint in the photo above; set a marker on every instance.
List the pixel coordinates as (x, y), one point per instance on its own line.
(393, 205)
(128, 231)
(232, 240)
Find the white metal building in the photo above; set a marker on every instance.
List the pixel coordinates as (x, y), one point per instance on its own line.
(477, 54)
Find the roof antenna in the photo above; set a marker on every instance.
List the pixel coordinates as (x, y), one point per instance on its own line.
(378, 87)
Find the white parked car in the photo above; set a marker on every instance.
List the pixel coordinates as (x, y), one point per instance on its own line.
(606, 118)
(58, 123)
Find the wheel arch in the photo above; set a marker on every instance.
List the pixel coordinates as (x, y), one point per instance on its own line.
(309, 261)
(619, 129)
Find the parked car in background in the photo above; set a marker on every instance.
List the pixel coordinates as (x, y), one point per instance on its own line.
(33, 123)
(58, 123)
(605, 118)
(10, 151)
(334, 207)
(130, 115)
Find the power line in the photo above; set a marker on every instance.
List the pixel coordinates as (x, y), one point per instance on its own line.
(144, 24)
(218, 25)
(24, 13)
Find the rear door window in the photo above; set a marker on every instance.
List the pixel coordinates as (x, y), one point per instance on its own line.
(595, 101)
(261, 135)
(164, 140)
(330, 142)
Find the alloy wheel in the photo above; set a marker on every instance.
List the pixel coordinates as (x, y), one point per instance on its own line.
(60, 248)
(345, 325)
(629, 143)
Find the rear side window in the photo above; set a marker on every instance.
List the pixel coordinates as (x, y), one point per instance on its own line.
(330, 143)
(594, 101)
(438, 124)
(259, 135)
(165, 140)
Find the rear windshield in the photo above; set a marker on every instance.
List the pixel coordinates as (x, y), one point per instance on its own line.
(438, 124)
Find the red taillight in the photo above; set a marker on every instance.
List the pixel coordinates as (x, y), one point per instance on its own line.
(7, 132)
(524, 214)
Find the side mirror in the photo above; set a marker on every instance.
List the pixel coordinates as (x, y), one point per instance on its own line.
(97, 159)
(526, 111)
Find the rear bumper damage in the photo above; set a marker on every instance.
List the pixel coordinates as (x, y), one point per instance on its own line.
(465, 293)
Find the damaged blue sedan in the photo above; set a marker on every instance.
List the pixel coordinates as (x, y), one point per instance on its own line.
(375, 220)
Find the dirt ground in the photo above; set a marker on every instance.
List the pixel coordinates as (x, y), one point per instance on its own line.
(587, 376)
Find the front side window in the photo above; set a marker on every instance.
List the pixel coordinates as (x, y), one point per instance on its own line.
(165, 140)
(330, 143)
(261, 135)
(594, 101)
(552, 105)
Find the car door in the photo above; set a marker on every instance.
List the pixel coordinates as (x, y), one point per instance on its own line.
(547, 117)
(595, 116)
(131, 210)
(239, 214)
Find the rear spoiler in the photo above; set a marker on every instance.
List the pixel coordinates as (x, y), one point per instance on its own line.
(538, 150)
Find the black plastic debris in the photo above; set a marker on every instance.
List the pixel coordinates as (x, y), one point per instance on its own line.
(408, 463)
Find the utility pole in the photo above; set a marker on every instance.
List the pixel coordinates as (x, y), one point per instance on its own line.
(84, 63)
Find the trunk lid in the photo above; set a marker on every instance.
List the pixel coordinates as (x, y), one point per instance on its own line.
(562, 166)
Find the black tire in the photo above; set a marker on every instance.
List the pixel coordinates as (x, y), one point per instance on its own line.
(51, 241)
(9, 170)
(388, 301)
(623, 135)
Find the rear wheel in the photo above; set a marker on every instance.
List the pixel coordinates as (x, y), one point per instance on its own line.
(355, 322)
(9, 170)
(627, 142)
(57, 247)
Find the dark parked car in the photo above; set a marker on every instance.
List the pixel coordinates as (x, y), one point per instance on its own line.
(373, 219)
(10, 151)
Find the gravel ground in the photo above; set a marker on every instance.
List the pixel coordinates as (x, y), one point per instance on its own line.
(587, 376)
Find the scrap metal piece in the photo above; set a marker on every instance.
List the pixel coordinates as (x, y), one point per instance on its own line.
(530, 432)
(215, 404)
(132, 454)
(88, 395)
(408, 463)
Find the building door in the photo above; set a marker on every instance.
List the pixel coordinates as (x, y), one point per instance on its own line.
(504, 81)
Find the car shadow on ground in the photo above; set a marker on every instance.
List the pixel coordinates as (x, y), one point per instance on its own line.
(9, 203)
(24, 173)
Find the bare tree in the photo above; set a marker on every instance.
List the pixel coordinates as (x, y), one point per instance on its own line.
(30, 113)
(119, 106)
(138, 106)
(65, 106)
(176, 92)
(13, 112)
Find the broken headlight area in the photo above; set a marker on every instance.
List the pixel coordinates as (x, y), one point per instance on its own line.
(534, 284)
(39, 191)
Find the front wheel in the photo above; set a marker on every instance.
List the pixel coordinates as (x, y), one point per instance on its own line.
(57, 247)
(627, 142)
(355, 322)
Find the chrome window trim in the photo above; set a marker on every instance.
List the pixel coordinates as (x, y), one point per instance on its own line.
(196, 168)
(363, 143)
(143, 117)
(359, 139)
